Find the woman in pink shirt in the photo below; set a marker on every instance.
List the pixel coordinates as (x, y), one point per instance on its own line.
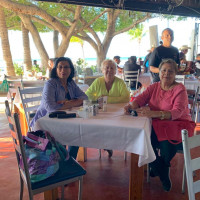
(167, 100)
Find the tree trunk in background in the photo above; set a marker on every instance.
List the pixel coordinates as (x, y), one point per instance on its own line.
(36, 38)
(26, 45)
(55, 41)
(101, 56)
(5, 44)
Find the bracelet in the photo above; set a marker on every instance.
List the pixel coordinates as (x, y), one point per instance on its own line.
(162, 115)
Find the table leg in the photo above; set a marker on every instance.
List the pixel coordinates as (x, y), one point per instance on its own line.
(51, 194)
(136, 179)
(82, 154)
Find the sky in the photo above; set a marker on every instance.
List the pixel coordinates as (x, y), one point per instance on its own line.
(121, 45)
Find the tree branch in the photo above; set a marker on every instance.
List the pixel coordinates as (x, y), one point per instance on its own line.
(148, 16)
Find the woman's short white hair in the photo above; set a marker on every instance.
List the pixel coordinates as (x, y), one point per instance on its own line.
(111, 62)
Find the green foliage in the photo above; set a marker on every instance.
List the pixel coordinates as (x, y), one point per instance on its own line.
(94, 68)
(137, 32)
(36, 69)
(81, 63)
(18, 69)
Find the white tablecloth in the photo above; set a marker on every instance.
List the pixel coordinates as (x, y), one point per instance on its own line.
(192, 84)
(107, 130)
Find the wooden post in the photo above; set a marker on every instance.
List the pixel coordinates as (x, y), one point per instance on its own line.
(136, 179)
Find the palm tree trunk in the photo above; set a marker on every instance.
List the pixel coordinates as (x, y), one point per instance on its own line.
(26, 44)
(5, 44)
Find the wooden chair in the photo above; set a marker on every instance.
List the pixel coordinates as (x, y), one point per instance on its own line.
(81, 79)
(70, 171)
(30, 98)
(191, 165)
(180, 79)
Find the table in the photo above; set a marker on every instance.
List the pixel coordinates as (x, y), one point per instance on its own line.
(108, 130)
(192, 84)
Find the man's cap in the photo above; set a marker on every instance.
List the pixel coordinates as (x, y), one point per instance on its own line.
(183, 47)
(116, 57)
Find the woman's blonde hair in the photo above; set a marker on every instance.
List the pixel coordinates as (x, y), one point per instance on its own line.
(171, 62)
(112, 62)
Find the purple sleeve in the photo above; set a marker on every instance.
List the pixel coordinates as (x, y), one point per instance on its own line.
(49, 97)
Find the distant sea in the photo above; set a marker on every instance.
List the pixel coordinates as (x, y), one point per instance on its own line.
(89, 61)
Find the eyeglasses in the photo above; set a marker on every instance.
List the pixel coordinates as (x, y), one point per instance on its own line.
(63, 67)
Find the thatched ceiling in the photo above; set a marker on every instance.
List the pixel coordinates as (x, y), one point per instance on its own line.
(175, 7)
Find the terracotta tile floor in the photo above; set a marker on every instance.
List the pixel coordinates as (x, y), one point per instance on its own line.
(106, 179)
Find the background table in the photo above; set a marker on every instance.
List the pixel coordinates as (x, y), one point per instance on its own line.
(108, 130)
(191, 84)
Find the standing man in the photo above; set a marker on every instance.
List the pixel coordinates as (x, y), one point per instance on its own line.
(119, 69)
(164, 51)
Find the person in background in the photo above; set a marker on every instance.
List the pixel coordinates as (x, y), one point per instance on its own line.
(164, 100)
(60, 93)
(164, 51)
(51, 62)
(197, 66)
(132, 66)
(146, 60)
(109, 85)
(183, 51)
(139, 61)
(117, 61)
(35, 64)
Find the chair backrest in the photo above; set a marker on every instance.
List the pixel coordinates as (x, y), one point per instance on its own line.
(194, 104)
(81, 79)
(191, 165)
(16, 134)
(10, 78)
(180, 79)
(30, 98)
(31, 84)
(131, 76)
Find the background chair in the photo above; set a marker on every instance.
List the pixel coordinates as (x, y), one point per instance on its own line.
(31, 84)
(191, 165)
(12, 80)
(30, 98)
(70, 171)
(131, 76)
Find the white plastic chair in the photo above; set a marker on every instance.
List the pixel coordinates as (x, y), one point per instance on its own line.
(131, 76)
(191, 165)
(70, 171)
(30, 98)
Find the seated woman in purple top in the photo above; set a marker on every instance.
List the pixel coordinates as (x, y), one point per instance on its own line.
(60, 92)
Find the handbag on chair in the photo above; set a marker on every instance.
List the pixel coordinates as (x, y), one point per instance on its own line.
(171, 129)
(43, 155)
